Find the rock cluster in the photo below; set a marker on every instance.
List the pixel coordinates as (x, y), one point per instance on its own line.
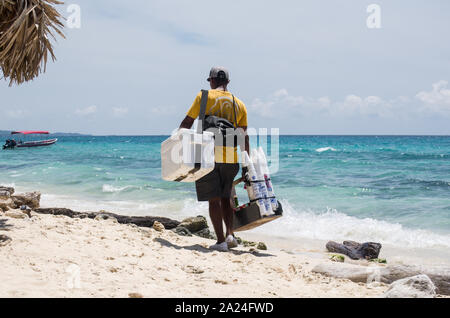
(11, 201)
(195, 226)
(142, 221)
(19, 206)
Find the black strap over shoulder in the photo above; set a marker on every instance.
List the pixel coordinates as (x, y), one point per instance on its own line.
(235, 113)
(203, 103)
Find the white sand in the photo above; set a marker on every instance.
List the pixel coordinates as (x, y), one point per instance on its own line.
(116, 260)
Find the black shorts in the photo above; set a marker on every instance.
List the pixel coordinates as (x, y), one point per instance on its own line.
(218, 183)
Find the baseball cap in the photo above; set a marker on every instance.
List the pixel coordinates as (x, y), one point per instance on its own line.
(219, 72)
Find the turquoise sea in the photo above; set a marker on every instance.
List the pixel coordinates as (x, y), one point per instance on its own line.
(390, 189)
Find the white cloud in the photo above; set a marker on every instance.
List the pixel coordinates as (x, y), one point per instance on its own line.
(324, 102)
(17, 113)
(281, 103)
(437, 100)
(165, 110)
(120, 111)
(86, 111)
(370, 106)
(281, 93)
(263, 108)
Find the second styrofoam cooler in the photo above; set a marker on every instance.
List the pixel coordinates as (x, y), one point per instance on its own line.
(179, 154)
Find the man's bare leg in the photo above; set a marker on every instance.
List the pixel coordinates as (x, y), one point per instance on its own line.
(215, 213)
(227, 214)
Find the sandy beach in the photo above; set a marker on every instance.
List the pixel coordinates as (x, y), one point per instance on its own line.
(47, 252)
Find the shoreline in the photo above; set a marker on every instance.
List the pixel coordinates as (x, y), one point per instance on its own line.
(292, 244)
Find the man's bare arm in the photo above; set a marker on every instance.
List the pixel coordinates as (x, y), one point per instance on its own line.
(247, 139)
(187, 123)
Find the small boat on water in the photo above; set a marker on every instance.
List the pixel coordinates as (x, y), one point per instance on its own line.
(12, 143)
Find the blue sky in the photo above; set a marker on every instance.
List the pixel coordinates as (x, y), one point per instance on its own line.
(306, 67)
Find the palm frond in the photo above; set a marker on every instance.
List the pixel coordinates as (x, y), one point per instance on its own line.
(25, 29)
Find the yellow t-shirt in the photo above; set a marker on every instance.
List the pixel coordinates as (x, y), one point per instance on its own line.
(220, 104)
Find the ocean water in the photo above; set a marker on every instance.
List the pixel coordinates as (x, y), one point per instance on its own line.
(393, 190)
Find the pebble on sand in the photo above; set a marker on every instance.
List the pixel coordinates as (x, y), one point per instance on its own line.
(157, 226)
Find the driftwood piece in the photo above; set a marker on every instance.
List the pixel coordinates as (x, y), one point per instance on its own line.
(439, 275)
(355, 250)
(143, 221)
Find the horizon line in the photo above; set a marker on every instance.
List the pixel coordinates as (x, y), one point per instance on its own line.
(284, 135)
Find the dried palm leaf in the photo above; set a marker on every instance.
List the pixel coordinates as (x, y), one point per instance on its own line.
(25, 27)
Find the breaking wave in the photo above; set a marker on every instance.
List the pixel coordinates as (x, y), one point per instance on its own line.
(334, 225)
(325, 149)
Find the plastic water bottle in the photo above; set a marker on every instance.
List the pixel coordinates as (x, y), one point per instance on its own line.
(253, 190)
(261, 182)
(269, 185)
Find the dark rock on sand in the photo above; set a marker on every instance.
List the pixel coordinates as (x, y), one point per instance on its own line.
(104, 217)
(4, 240)
(26, 209)
(7, 189)
(206, 233)
(248, 243)
(261, 246)
(5, 205)
(32, 199)
(158, 226)
(182, 231)
(195, 224)
(355, 250)
(419, 286)
(142, 221)
(4, 195)
(17, 214)
(6, 201)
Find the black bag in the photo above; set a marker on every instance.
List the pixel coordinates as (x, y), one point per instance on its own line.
(222, 124)
(218, 125)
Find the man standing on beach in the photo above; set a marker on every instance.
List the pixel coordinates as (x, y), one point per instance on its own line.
(216, 186)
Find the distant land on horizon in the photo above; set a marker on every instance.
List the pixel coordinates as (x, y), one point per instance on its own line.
(8, 132)
(63, 134)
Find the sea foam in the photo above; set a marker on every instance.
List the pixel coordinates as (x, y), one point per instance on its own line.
(335, 225)
(107, 188)
(325, 149)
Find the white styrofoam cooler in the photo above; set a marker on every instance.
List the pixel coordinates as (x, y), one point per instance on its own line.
(179, 154)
